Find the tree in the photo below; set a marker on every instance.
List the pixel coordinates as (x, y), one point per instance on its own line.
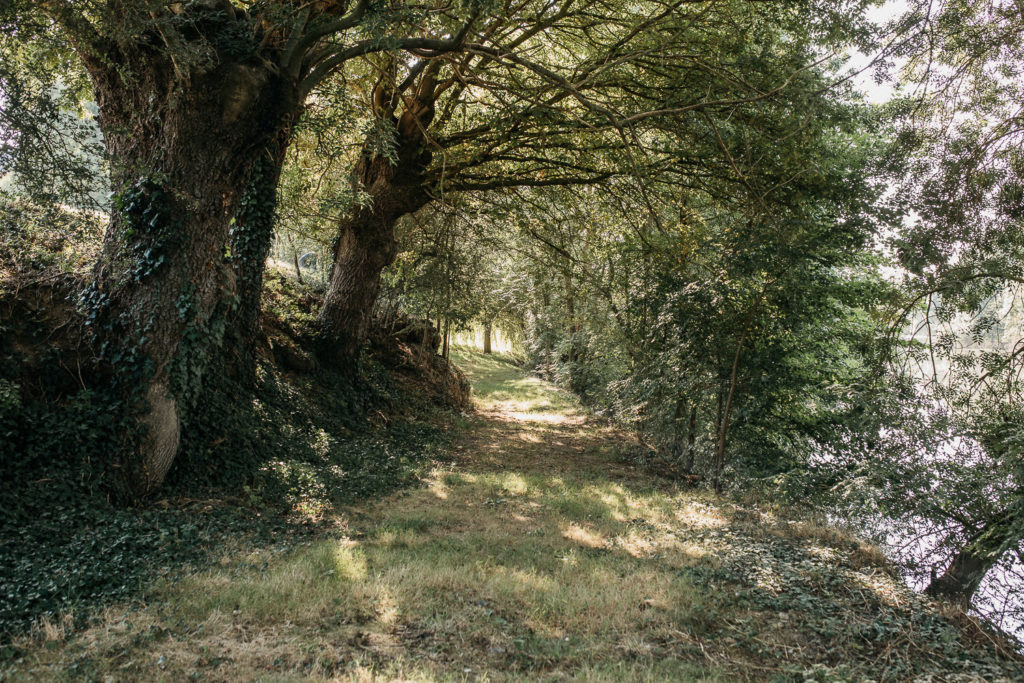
(49, 144)
(732, 277)
(548, 95)
(197, 103)
(722, 305)
(959, 168)
(191, 97)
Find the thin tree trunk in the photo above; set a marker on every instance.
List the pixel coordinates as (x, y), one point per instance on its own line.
(298, 271)
(548, 351)
(968, 567)
(487, 337)
(691, 437)
(677, 416)
(570, 307)
(183, 150)
(723, 427)
(718, 416)
(726, 412)
(682, 444)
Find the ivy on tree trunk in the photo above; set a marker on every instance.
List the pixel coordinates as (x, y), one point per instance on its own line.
(185, 146)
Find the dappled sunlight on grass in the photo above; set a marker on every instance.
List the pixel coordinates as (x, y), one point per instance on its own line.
(514, 482)
(530, 437)
(439, 489)
(702, 518)
(583, 536)
(549, 418)
(349, 562)
(498, 385)
(535, 555)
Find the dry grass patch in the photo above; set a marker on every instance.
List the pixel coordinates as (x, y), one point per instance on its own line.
(537, 557)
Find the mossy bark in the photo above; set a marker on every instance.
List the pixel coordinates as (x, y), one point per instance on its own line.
(183, 145)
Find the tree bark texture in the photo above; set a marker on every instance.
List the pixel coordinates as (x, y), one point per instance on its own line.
(249, 241)
(184, 145)
(365, 244)
(487, 337)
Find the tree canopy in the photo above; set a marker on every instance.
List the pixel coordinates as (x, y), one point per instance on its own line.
(682, 210)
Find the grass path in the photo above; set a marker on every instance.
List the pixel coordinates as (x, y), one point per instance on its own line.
(534, 553)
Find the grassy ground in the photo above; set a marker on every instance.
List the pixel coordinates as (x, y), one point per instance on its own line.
(535, 553)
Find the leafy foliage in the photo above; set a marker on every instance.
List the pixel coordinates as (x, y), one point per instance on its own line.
(260, 466)
(940, 480)
(277, 468)
(679, 212)
(733, 322)
(50, 146)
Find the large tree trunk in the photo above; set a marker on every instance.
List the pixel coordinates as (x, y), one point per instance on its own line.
(970, 564)
(249, 242)
(487, 337)
(366, 244)
(183, 145)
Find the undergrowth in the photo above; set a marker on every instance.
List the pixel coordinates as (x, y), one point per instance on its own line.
(265, 468)
(257, 467)
(537, 554)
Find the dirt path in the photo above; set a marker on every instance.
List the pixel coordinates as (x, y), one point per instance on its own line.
(524, 423)
(534, 554)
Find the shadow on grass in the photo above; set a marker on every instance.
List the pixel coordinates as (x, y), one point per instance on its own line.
(256, 470)
(518, 573)
(536, 556)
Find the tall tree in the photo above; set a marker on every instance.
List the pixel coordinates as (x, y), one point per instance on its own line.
(959, 168)
(191, 97)
(547, 95)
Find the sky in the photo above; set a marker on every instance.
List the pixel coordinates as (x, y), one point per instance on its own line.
(865, 82)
